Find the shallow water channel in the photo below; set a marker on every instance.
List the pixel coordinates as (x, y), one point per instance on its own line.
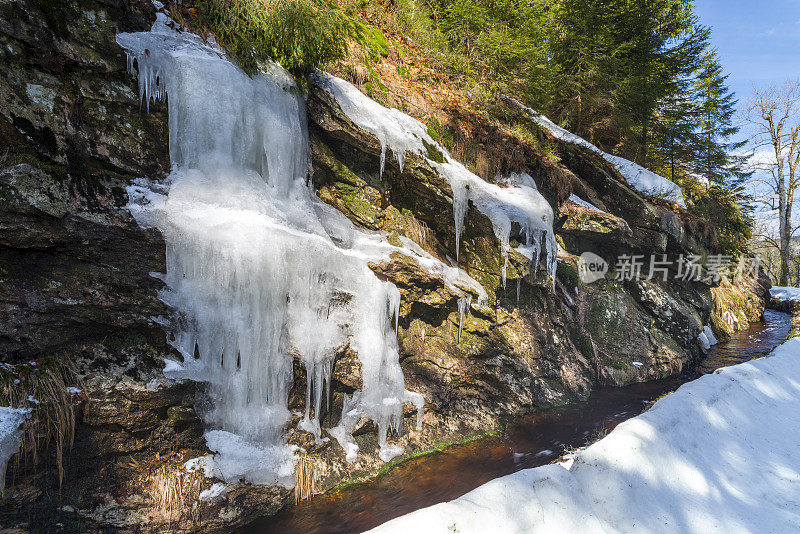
(531, 441)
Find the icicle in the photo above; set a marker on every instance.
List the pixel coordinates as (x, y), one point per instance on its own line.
(464, 304)
(460, 205)
(504, 255)
(519, 284)
(383, 158)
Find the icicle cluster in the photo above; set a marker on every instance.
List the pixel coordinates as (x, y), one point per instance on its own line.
(258, 269)
(464, 304)
(519, 204)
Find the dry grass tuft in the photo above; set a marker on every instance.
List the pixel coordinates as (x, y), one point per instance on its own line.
(305, 478)
(173, 489)
(418, 231)
(41, 386)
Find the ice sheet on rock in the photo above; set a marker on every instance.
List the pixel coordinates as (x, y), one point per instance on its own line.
(517, 208)
(394, 129)
(215, 493)
(718, 455)
(704, 340)
(454, 278)
(11, 420)
(258, 269)
(640, 178)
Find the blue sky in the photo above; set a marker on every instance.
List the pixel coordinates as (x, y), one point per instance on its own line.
(759, 41)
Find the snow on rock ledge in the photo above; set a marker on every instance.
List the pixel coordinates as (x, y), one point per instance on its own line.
(718, 455)
(785, 294)
(638, 177)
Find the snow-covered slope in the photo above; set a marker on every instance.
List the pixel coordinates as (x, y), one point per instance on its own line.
(791, 294)
(718, 455)
(637, 176)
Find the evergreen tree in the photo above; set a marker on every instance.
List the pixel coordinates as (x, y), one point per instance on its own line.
(718, 159)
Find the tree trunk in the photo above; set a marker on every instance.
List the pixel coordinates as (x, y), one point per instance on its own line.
(784, 215)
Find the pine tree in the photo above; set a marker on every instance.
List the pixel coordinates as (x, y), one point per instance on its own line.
(718, 158)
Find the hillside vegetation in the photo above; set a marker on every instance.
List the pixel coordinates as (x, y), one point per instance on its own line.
(636, 78)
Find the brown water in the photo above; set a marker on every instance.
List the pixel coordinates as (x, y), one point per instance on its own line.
(529, 442)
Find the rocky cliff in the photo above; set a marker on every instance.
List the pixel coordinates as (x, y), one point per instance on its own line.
(76, 282)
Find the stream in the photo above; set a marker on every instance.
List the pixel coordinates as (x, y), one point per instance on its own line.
(531, 441)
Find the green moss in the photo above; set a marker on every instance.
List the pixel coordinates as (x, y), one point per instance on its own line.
(438, 448)
(373, 42)
(439, 132)
(433, 153)
(568, 274)
(619, 364)
(301, 35)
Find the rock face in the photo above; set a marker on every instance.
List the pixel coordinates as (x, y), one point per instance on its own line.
(74, 265)
(75, 271)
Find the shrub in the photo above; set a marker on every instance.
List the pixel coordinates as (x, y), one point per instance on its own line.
(301, 35)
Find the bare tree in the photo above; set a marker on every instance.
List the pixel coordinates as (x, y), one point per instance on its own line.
(775, 114)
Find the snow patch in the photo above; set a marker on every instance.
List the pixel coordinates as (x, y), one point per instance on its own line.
(718, 455)
(11, 420)
(791, 294)
(580, 202)
(215, 493)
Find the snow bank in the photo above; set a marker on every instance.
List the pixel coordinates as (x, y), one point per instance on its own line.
(11, 420)
(519, 203)
(637, 176)
(790, 294)
(718, 455)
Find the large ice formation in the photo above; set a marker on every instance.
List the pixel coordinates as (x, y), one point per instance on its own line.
(258, 269)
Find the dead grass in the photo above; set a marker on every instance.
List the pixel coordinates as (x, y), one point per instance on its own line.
(41, 386)
(173, 489)
(417, 230)
(305, 478)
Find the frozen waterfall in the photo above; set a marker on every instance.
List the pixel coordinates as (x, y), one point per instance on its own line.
(258, 269)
